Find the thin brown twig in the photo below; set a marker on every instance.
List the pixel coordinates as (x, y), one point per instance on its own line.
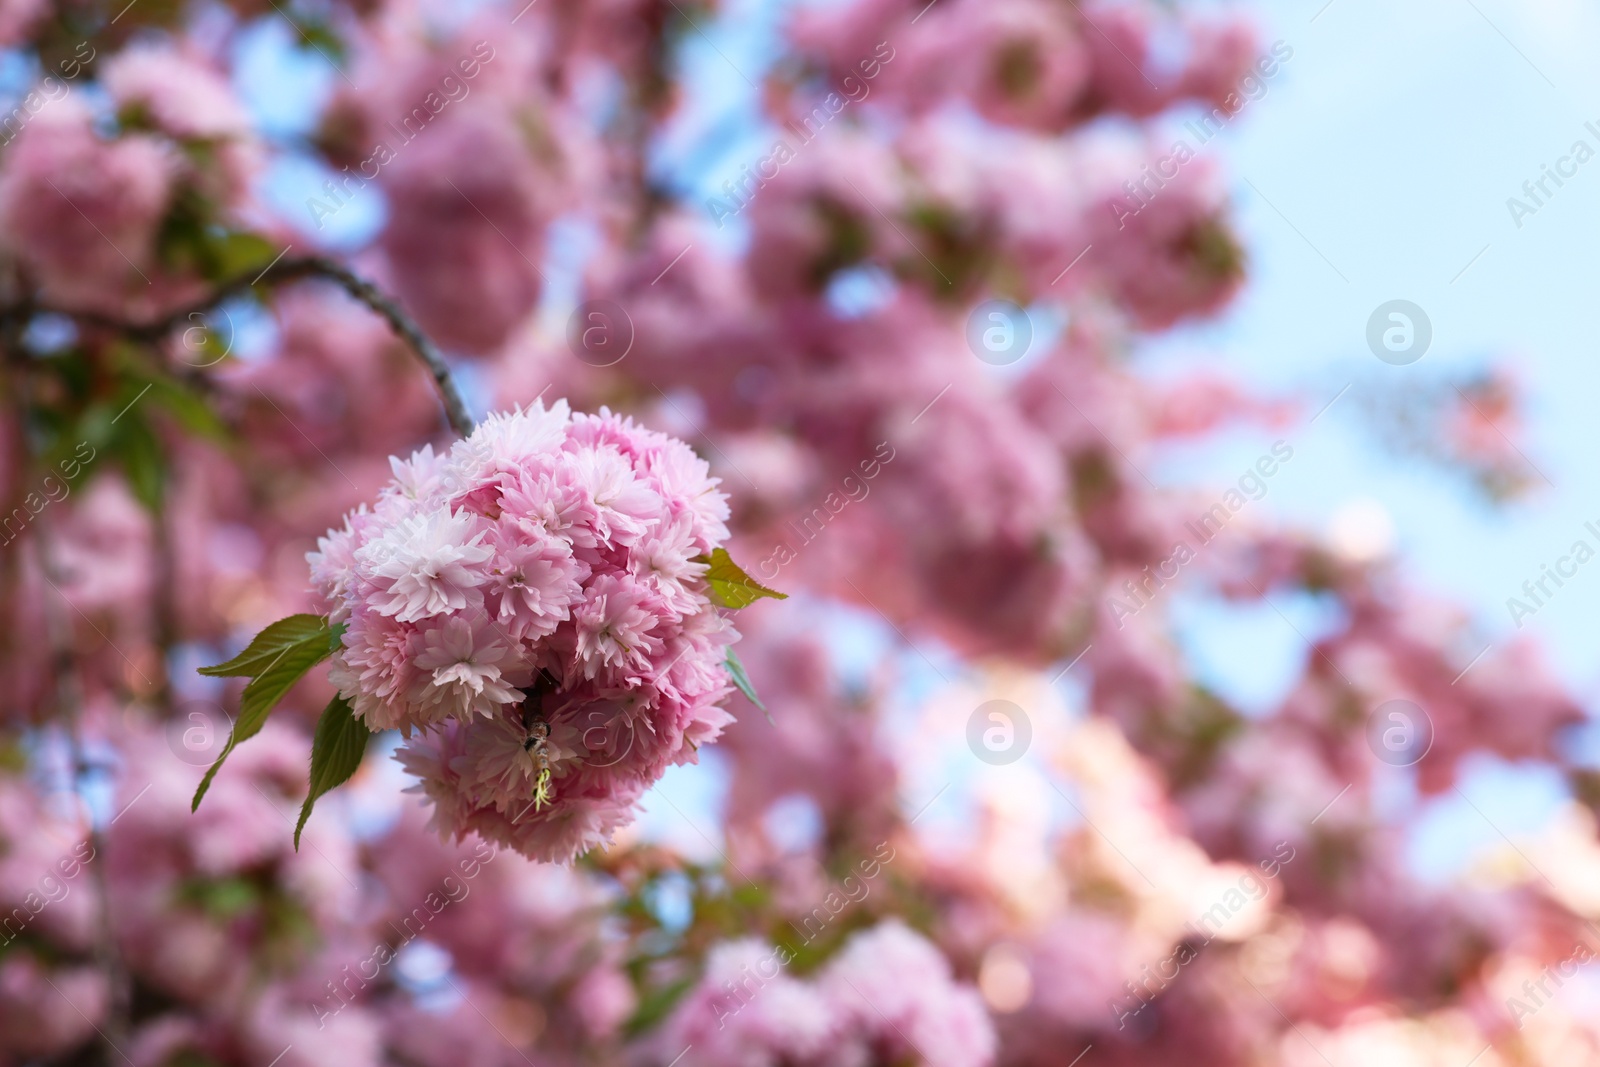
(288, 269)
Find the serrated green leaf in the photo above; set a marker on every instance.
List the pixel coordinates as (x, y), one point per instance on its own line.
(336, 751)
(270, 643)
(731, 586)
(741, 679)
(279, 657)
(268, 687)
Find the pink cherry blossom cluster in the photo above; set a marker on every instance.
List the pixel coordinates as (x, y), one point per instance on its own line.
(85, 212)
(531, 610)
(887, 997)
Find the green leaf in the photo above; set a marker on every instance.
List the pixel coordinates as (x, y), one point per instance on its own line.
(741, 679)
(269, 644)
(237, 253)
(336, 751)
(279, 657)
(654, 1005)
(189, 410)
(319, 34)
(223, 898)
(148, 386)
(143, 459)
(268, 687)
(731, 586)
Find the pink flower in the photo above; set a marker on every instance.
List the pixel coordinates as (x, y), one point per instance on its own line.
(536, 580)
(376, 670)
(666, 560)
(748, 1009)
(614, 628)
(17, 18)
(499, 765)
(178, 94)
(467, 677)
(623, 504)
(466, 228)
(1031, 64)
(427, 565)
(535, 602)
(83, 212)
(886, 998)
(47, 1011)
(897, 991)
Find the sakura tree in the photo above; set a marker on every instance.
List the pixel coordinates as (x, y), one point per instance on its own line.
(818, 479)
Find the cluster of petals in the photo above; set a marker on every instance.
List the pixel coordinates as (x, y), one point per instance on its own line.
(530, 609)
(887, 997)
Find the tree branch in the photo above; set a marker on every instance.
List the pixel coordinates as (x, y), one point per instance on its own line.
(288, 269)
(68, 696)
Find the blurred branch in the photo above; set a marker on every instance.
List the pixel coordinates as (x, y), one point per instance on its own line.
(68, 693)
(69, 704)
(289, 269)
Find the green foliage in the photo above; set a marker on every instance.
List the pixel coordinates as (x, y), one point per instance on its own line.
(656, 1004)
(270, 643)
(336, 751)
(191, 242)
(279, 657)
(319, 34)
(236, 254)
(222, 898)
(741, 679)
(730, 585)
(143, 459)
(114, 406)
(255, 904)
(717, 912)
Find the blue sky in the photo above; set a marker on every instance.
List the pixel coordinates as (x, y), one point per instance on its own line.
(1388, 148)
(1391, 143)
